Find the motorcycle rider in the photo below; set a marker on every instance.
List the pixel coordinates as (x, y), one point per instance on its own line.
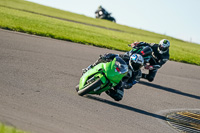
(135, 62)
(104, 12)
(160, 56)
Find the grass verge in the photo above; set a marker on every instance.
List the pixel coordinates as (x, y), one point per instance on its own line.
(23, 16)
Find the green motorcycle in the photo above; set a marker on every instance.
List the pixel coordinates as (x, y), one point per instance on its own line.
(102, 77)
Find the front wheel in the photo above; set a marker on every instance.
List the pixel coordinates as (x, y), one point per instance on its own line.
(90, 87)
(77, 88)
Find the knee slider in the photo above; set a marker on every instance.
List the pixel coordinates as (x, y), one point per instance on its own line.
(150, 78)
(118, 97)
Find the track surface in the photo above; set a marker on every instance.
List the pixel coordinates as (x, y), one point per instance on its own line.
(37, 94)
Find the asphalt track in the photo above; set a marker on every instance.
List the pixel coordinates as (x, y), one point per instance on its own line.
(37, 94)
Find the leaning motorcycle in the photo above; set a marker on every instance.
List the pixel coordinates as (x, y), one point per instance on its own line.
(106, 16)
(102, 77)
(145, 51)
(147, 54)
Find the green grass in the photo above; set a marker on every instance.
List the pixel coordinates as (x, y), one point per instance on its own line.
(8, 129)
(14, 16)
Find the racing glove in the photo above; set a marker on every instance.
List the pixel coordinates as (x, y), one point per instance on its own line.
(151, 67)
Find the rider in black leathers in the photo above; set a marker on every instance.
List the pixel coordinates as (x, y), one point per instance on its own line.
(105, 13)
(160, 56)
(118, 91)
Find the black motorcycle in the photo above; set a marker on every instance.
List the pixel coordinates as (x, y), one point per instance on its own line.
(147, 54)
(104, 15)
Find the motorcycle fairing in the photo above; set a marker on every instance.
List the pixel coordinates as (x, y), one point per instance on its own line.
(104, 71)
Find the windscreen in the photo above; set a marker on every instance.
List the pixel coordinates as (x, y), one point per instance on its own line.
(121, 65)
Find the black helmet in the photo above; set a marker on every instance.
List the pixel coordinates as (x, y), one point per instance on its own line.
(163, 46)
(136, 62)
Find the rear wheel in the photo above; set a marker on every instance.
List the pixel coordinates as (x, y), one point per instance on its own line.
(112, 19)
(90, 87)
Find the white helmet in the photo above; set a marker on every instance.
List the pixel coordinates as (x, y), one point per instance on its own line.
(136, 62)
(163, 46)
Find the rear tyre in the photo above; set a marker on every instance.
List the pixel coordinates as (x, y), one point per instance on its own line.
(90, 87)
(113, 19)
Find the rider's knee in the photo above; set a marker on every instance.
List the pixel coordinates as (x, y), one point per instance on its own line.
(118, 97)
(150, 78)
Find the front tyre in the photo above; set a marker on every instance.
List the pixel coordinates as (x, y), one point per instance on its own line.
(77, 88)
(89, 88)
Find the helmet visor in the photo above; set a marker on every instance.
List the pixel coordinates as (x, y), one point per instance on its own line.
(163, 49)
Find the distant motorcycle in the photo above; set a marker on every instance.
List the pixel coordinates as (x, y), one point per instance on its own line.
(104, 15)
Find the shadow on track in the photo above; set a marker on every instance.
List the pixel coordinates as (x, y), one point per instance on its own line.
(126, 107)
(169, 89)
